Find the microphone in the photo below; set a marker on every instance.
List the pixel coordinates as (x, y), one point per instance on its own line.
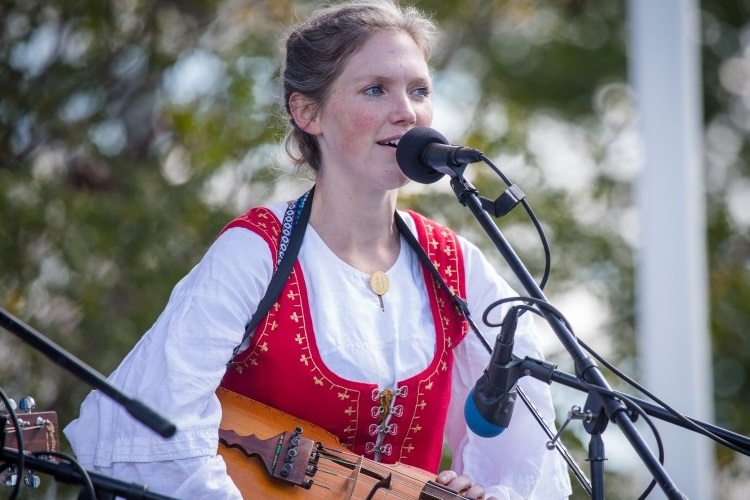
(424, 155)
(489, 406)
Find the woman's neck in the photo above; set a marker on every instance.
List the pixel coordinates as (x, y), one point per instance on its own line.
(360, 229)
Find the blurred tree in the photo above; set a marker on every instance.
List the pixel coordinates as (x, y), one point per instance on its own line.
(130, 132)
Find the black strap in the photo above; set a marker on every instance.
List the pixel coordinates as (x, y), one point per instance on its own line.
(425, 259)
(300, 211)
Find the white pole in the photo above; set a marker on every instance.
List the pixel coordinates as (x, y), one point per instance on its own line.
(673, 343)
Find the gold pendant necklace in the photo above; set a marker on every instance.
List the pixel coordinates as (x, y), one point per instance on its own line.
(379, 284)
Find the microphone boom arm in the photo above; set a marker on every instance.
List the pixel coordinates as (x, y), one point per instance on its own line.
(136, 408)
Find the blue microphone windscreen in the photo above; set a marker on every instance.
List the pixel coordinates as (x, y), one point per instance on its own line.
(476, 422)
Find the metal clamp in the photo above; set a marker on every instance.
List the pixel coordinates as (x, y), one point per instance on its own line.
(575, 413)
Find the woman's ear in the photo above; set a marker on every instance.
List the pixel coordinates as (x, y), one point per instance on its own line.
(304, 113)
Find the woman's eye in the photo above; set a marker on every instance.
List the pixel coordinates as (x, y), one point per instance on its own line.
(422, 91)
(374, 90)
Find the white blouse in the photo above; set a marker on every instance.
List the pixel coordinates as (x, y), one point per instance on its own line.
(178, 364)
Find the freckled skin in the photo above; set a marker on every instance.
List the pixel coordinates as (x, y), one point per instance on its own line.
(382, 91)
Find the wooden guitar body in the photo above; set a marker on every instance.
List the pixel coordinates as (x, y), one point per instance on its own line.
(305, 461)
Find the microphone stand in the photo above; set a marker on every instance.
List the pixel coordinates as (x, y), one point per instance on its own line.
(547, 372)
(139, 410)
(534, 368)
(66, 473)
(605, 408)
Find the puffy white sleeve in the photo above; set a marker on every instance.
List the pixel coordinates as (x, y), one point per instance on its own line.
(515, 464)
(175, 368)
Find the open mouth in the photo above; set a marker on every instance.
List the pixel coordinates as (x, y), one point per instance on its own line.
(393, 143)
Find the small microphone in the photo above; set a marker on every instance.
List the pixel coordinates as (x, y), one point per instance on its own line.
(424, 155)
(489, 406)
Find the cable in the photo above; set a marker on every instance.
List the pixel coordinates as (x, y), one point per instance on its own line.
(19, 440)
(88, 484)
(540, 303)
(686, 421)
(534, 220)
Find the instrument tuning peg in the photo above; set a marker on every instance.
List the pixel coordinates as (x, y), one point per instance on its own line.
(4, 409)
(10, 477)
(286, 469)
(32, 480)
(27, 404)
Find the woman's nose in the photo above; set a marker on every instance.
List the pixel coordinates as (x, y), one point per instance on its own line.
(403, 110)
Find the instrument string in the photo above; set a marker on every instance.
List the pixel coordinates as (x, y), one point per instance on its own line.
(368, 473)
(24, 429)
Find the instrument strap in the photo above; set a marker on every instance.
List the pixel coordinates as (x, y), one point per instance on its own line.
(425, 260)
(293, 230)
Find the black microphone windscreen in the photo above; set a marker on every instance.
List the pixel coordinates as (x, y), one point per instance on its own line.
(409, 154)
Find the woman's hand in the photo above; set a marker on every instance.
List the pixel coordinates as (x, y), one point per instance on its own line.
(462, 484)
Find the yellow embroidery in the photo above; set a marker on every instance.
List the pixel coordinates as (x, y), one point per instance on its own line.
(318, 381)
(305, 359)
(299, 339)
(343, 396)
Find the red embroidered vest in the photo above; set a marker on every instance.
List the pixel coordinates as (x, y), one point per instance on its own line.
(282, 366)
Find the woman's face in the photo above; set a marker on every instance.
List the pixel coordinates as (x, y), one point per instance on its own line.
(382, 92)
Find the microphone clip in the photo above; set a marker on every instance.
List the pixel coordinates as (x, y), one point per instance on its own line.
(494, 397)
(504, 203)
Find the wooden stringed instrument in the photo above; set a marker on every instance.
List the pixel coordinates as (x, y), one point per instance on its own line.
(307, 462)
(39, 431)
(39, 435)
